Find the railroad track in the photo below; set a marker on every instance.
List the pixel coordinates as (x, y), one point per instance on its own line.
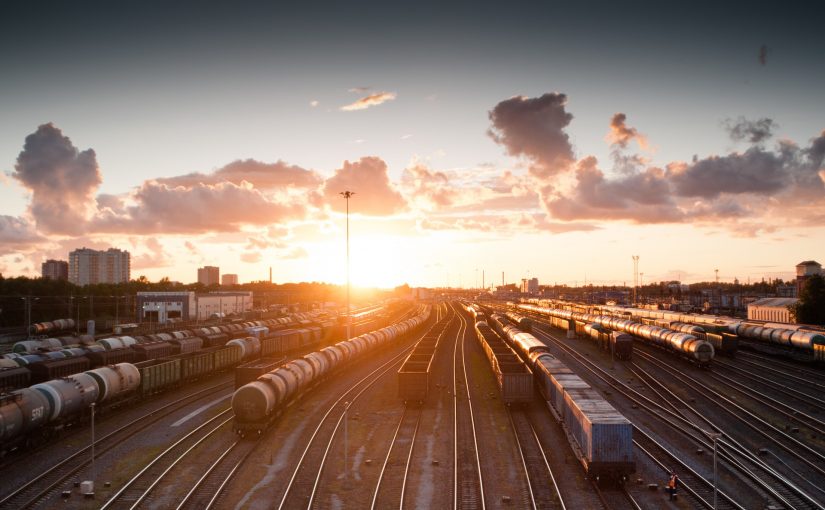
(207, 491)
(468, 482)
(779, 366)
(46, 485)
(137, 490)
(616, 498)
(304, 482)
(791, 413)
(391, 487)
(790, 391)
(698, 487)
(747, 465)
(541, 484)
(787, 489)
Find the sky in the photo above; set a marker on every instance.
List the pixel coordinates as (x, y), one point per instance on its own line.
(481, 139)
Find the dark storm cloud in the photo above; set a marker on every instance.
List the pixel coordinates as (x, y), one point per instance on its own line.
(62, 180)
(533, 128)
(259, 174)
(368, 178)
(752, 131)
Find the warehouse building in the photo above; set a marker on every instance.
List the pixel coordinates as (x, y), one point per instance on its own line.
(772, 310)
(161, 307)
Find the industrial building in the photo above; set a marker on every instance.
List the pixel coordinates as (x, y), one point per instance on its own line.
(55, 269)
(530, 286)
(772, 310)
(805, 270)
(229, 279)
(209, 275)
(87, 266)
(162, 307)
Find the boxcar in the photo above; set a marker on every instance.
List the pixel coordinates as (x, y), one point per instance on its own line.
(12, 378)
(153, 350)
(621, 345)
(113, 357)
(158, 375)
(52, 369)
(227, 357)
(604, 436)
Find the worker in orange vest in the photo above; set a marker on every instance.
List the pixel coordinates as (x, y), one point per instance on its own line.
(673, 485)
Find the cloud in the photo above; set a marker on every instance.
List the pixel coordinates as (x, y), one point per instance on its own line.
(252, 257)
(642, 197)
(752, 131)
(621, 134)
(359, 90)
(501, 224)
(296, 252)
(754, 171)
(17, 234)
(314, 103)
(155, 257)
(430, 186)
(261, 175)
(763, 55)
(371, 100)
(533, 128)
(222, 207)
(62, 180)
(367, 177)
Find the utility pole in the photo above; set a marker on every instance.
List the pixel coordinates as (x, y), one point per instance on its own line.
(635, 276)
(347, 195)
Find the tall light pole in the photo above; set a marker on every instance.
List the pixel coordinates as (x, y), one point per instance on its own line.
(93, 441)
(346, 439)
(347, 195)
(715, 436)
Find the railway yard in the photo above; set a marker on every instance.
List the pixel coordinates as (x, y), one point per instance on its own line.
(496, 406)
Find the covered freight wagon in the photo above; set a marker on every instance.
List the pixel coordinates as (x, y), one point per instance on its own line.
(604, 436)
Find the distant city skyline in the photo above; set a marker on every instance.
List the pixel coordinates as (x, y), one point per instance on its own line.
(538, 140)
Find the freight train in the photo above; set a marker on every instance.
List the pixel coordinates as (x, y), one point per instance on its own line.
(620, 345)
(26, 420)
(799, 337)
(34, 361)
(257, 404)
(695, 349)
(49, 328)
(601, 436)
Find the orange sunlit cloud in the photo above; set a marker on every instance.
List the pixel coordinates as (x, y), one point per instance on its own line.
(371, 100)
